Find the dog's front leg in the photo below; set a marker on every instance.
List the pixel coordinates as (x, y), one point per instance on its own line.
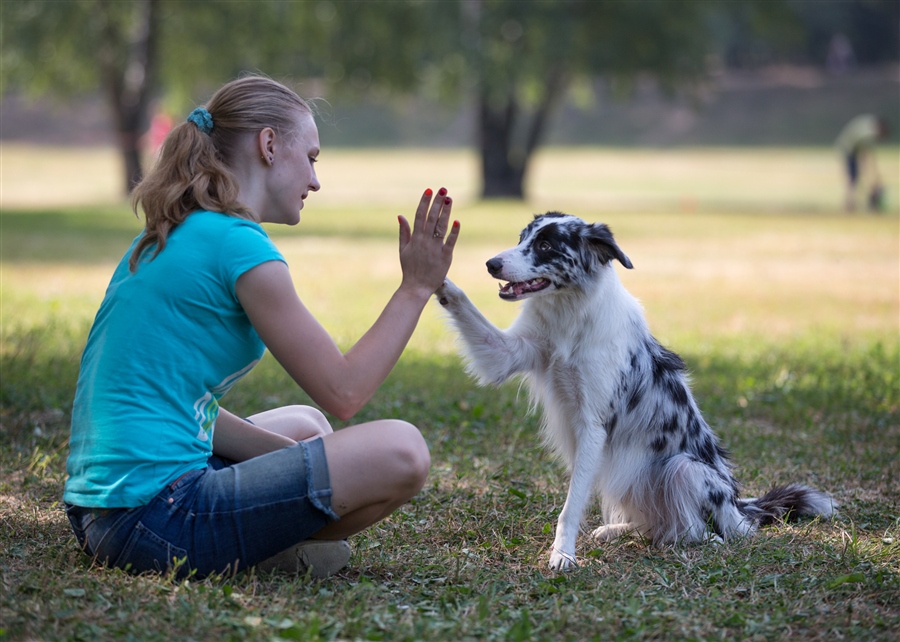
(492, 355)
(584, 470)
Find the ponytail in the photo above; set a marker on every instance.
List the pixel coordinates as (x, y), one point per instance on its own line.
(193, 171)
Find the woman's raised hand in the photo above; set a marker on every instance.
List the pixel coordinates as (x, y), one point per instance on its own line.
(426, 250)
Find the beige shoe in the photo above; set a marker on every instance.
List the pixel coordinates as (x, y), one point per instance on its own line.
(321, 557)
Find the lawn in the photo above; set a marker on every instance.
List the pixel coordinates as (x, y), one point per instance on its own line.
(785, 309)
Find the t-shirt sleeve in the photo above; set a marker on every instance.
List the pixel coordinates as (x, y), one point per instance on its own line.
(244, 246)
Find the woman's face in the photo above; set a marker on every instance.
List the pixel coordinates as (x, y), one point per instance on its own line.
(293, 173)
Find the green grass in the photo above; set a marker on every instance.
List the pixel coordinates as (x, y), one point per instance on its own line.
(788, 322)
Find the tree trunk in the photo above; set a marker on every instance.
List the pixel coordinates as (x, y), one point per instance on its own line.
(504, 161)
(129, 62)
(131, 156)
(502, 171)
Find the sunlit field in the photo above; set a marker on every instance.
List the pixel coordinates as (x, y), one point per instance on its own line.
(728, 245)
(801, 180)
(785, 308)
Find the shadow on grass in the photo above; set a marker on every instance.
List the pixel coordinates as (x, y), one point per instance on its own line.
(466, 559)
(66, 236)
(89, 236)
(829, 416)
(102, 234)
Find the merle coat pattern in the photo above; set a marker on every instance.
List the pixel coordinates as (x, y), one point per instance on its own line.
(617, 406)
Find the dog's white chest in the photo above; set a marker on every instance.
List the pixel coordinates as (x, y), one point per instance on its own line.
(566, 382)
(577, 379)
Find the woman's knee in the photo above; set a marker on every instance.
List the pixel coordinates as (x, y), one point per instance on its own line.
(297, 422)
(382, 463)
(314, 419)
(410, 451)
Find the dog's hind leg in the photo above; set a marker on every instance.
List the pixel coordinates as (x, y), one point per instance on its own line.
(609, 532)
(581, 486)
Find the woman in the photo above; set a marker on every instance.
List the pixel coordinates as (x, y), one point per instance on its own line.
(162, 477)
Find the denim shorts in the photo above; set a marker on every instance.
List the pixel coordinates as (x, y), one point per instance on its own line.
(222, 519)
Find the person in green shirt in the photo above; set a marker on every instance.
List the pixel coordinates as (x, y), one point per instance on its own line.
(856, 143)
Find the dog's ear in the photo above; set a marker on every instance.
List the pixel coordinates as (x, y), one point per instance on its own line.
(601, 239)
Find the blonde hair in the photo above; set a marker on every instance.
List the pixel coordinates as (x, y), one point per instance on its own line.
(193, 171)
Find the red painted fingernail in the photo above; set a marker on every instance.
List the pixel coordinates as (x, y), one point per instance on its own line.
(448, 200)
(400, 220)
(428, 192)
(442, 191)
(455, 224)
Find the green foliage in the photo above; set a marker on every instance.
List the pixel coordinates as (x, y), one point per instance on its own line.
(60, 48)
(517, 59)
(55, 48)
(37, 55)
(356, 47)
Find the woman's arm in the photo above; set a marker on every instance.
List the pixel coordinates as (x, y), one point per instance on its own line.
(343, 383)
(241, 439)
(238, 439)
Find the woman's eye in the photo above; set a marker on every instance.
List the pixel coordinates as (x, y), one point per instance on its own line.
(313, 160)
(544, 246)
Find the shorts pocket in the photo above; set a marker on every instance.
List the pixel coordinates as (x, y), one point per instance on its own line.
(147, 551)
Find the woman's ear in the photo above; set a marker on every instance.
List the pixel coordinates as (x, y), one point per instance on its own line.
(266, 140)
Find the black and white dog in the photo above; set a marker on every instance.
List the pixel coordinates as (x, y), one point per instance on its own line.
(617, 406)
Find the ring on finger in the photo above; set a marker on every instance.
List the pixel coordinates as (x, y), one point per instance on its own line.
(437, 235)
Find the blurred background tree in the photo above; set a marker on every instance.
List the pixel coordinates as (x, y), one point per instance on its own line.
(521, 57)
(69, 47)
(515, 61)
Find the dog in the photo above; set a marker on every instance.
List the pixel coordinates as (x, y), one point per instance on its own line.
(617, 406)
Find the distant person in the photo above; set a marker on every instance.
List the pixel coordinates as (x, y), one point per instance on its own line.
(160, 475)
(160, 126)
(841, 58)
(857, 142)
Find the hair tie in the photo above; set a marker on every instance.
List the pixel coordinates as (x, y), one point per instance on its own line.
(202, 119)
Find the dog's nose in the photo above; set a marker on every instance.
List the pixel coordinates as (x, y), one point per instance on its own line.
(494, 266)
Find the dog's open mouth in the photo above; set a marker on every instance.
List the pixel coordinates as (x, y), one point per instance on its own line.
(512, 291)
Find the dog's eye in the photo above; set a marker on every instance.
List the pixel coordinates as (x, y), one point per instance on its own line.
(544, 246)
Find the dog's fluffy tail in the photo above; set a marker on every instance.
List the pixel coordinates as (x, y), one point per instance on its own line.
(786, 503)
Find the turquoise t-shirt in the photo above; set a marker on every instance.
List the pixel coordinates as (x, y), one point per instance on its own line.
(168, 341)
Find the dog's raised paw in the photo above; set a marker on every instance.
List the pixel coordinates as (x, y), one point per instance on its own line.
(448, 292)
